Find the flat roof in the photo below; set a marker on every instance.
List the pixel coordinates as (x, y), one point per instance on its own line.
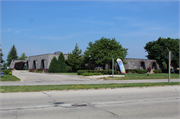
(46, 54)
(139, 58)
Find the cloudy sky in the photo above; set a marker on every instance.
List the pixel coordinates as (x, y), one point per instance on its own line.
(48, 26)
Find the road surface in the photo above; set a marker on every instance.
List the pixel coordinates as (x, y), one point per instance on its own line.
(126, 103)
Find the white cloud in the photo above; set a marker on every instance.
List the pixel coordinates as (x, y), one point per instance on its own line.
(16, 32)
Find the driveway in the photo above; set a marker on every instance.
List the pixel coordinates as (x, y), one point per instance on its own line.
(46, 77)
(29, 78)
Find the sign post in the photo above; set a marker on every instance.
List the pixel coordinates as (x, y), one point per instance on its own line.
(169, 57)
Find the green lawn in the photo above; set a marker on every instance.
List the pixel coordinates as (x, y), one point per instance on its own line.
(144, 76)
(9, 78)
(78, 86)
(69, 73)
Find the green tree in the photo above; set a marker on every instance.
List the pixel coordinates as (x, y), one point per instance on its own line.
(158, 50)
(12, 55)
(75, 58)
(4, 66)
(102, 51)
(1, 55)
(53, 68)
(23, 57)
(62, 67)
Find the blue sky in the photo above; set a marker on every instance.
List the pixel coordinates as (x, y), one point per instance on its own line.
(48, 26)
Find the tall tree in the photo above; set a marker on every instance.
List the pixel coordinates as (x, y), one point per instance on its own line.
(53, 67)
(158, 50)
(12, 55)
(102, 51)
(75, 58)
(23, 57)
(1, 55)
(62, 67)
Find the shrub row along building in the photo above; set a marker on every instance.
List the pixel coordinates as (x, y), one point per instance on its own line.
(42, 62)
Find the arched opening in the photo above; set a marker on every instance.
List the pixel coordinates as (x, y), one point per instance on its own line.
(142, 65)
(154, 66)
(27, 65)
(19, 65)
(42, 64)
(34, 64)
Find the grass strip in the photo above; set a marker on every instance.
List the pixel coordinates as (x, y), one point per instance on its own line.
(37, 88)
(143, 76)
(9, 78)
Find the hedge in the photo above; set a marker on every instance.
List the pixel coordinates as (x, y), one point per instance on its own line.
(80, 72)
(90, 74)
(140, 71)
(157, 71)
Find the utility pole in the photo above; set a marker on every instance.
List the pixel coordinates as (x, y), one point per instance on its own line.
(112, 67)
(169, 64)
(169, 75)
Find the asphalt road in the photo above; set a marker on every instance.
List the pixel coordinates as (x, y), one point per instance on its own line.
(28, 78)
(125, 103)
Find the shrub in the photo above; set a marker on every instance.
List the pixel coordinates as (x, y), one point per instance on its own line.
(69, 69)
(53, 68)
(90, 74)
(133, 71)
(79, 72)
(10, 73)
(62, 67)
(96, 73)
(176, 71)
(87, 74)
(108, 71)
(7, 72)
(38, 71)
(140, 71)
(157, 71)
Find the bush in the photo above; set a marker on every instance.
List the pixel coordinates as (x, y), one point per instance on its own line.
(176, 71)
(79, 72)
(90, 74)
(38, 71)
(62, 67)
(96, 73)
(87, 74)
(7, 72)
(133, 71)
(157, 71)
(69, 69)
(10, 73)
(53, 68)
(140, 71)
